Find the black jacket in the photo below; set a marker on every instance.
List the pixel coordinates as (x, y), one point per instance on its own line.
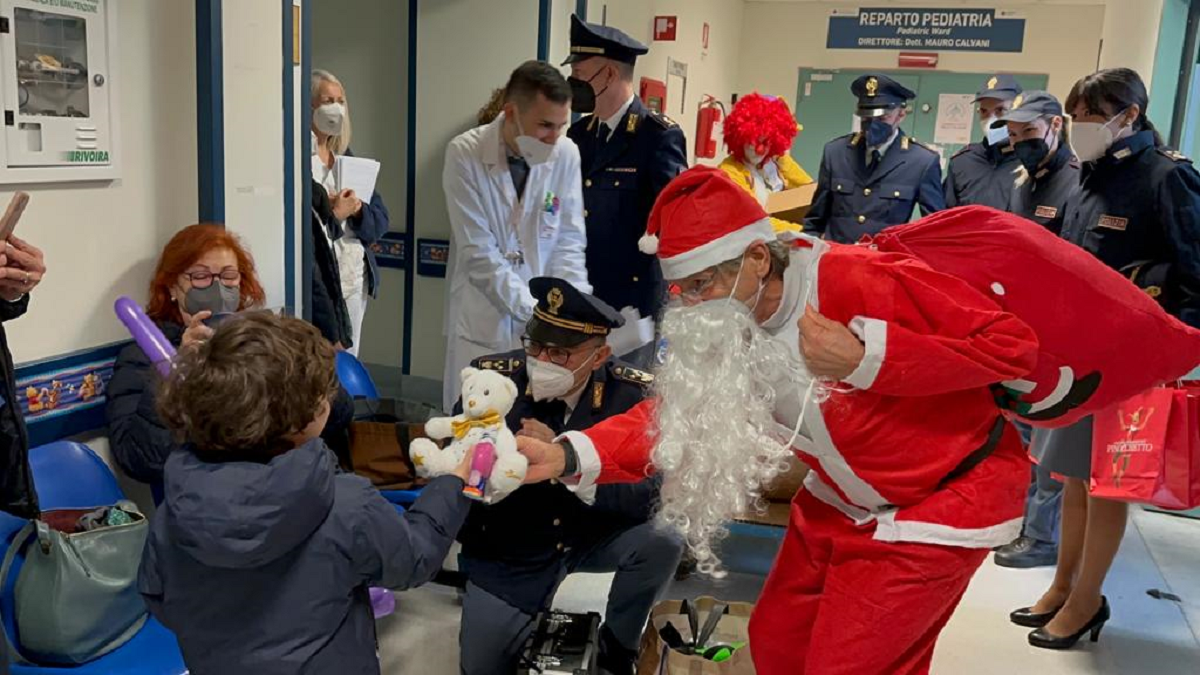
(140, 443)
(1043, 197)
(621, 179)
(516, 549)
(17, 495)
(329, 313)
(1138, 211)
(981, 174)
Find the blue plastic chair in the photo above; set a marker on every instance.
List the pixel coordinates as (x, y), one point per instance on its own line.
(70, 476)
(355, 378)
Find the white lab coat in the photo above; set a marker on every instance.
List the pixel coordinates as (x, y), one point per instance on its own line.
(498, 244)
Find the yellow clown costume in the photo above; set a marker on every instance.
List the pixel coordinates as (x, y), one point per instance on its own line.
(759, 133)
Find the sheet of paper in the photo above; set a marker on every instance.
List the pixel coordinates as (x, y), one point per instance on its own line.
(955, 119)
(358, 174)
(637, 332)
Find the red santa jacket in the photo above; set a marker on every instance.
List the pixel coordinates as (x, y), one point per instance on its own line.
(920, 404)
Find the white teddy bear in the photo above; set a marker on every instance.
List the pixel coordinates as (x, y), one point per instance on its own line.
(487, 397)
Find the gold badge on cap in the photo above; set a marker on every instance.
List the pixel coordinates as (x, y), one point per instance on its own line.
(993, 82)
(1018, 101)
(555, 299)
(872, 86)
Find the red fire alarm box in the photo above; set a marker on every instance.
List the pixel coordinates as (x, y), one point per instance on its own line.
(664, 28)
(654, 94)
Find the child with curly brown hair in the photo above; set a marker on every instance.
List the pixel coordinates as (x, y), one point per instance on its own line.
(261, 555)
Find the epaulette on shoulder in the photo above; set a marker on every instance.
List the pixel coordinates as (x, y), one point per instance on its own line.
(500, 364)
(634, 375)
(1173, 155)
(919, 144)
(662, 120)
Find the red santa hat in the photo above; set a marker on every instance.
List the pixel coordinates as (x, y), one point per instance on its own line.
(702, 219)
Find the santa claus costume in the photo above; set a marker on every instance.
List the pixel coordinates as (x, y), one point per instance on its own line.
(759, 133)
(915, 474)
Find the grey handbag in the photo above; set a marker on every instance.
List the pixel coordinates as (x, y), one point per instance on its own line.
(76, 596)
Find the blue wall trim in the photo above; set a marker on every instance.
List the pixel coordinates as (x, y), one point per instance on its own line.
(543, 46)
(581, 8)
(289, 161)
(410, 190)
(68, 393)
(210, 111)
(306, 150)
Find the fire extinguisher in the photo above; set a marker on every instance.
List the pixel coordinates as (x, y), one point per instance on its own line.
(710, 113)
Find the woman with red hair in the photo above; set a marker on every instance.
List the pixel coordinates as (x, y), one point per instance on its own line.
(759, 133)
(203, 275)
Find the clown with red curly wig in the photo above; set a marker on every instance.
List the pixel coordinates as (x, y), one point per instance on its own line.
(759, 133)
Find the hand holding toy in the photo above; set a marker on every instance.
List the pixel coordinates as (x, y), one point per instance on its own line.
(145, 334)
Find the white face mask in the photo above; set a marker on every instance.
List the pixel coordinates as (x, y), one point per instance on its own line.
(752, 156)
(329, 118)
(995, 136)
(534, 151)
(1091, 140)
(551, 381)
(738, 304)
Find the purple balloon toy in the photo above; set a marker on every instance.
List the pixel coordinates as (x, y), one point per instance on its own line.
(145, 334)
(383, 601)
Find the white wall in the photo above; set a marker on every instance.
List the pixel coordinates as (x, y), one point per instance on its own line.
(253, 89)
(1130, 36)
(365, 44)
(781, 37)
(101, 239)
(465, 49)
(714, 71)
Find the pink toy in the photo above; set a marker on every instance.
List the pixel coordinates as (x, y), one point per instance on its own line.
(145, 334)
(482, 460)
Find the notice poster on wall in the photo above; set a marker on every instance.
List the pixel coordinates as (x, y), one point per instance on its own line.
(937, 29)
(955, 119)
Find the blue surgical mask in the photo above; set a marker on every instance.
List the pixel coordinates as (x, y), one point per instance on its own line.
(877, 131)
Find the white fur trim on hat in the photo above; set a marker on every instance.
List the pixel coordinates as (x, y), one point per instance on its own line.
(717, 251)
(648, 244)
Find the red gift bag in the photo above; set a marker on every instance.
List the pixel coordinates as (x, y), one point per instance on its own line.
(1147, 449)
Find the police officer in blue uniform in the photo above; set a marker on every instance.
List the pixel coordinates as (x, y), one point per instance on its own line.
(873, 178)
(1038, 132)
(982, 173)
(1138, 206)
(516, 553)
(1048, 179)
(628, 153)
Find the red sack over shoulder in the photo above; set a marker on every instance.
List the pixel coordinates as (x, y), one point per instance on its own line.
(1101, 339)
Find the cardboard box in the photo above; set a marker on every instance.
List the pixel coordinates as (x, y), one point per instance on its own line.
(792, 205)
(779, 496)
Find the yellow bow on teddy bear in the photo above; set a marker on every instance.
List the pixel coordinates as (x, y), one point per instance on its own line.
(491, 419)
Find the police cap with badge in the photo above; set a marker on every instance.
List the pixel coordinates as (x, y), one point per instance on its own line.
(566, 316)
(1001, 87)
(589, 39)
(1029, 107)
(877, 94)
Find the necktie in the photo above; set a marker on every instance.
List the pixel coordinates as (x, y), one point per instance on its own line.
(605, 132)
(875, 157)
(552, 413)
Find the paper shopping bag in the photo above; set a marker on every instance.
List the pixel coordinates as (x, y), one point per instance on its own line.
(1147, 449)
(731, 631)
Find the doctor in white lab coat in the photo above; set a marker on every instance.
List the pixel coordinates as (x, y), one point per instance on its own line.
(503, 236)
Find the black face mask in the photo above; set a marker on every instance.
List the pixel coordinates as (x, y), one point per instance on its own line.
(1031, 153)
(583, 97)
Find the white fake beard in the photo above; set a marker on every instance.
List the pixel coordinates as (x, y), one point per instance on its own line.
(717, 439)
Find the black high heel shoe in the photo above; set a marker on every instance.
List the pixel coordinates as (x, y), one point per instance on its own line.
(1045, 640)
(1029, 619)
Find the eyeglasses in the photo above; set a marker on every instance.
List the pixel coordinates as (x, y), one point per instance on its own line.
(204, 278)
(693, 290)
(559, 356)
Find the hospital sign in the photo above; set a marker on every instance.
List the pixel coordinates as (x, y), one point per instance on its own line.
(939, 29)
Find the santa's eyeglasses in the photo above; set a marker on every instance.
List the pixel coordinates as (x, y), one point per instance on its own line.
(693, 289)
